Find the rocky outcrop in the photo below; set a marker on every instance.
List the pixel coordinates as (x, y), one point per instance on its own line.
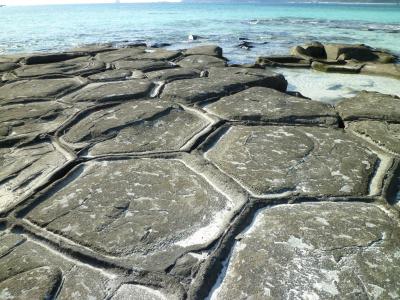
(143, 173)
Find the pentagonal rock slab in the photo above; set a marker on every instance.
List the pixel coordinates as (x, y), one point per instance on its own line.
(111, 75)
(110, 91)
(148, 211)
(71, 67)
(37, 89)
(201, 61)
(169, 75)
(386, 135)
(30, 271)
(139, 126)
(120, 54)
(315, 251)
(142, 65)
(32, 118)
(370, 105)
(308, 160)
(268, 105)
(218, 84)
(210, 50)
(23, 169)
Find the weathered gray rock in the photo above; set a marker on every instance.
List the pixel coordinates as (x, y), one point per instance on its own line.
(220, 83)
(386, 135)
(9, 66)
(211, 50)
(136, 209)
(92, 49)
(32, 271)
(370, 105)
(32, 119)
(159, 54)
(111, 75)
(201, 62)
(72, 67)
(268, 105)
(283, 61)
(111, 91)
(315, 251)
(46, 58)
(347, 51)
(169, 75)
(390, 70)
(25, 168)
(306, 160)
(120, 54)
(132, 291)
(14, 58)
(38, 89)
(142, 65)
(349, 68)
(139, 126)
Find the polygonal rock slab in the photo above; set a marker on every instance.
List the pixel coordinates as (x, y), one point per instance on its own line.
(111, 75)
(316, 251)
(37, 89)
(386, 135)
(139, 126)
(201, 61)
(32, 118)
(142, 65)
(309, 160)
(159, 54)
(210, 50)
(148, 211)
(268, 105)
(120, 54)
(370, 105)
(169, 75)
(31, 271)
(110, 91)
(23, 169)
(45, 58)
(222, 83)
(72, 67)
(133, 291)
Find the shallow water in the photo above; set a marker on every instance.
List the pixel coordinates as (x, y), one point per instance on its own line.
(273, 28)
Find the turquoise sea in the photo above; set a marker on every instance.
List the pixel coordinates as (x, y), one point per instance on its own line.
(273, 28)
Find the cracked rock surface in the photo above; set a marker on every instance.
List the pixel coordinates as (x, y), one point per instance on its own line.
(146, 173)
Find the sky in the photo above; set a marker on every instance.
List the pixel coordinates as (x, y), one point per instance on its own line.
(47, 2)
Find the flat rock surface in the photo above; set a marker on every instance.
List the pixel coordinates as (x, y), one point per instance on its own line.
(308, 160)
(386, 135)
(201, 61)
(268, 105)
(315, 251)
(370, 105)
(25, 168)
(142, 65)
(169, 75)
(210, 50)
(37, 89)
(135, 207)
(138, 126)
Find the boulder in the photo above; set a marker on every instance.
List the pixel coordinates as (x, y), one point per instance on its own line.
(210, 50)
(370, 105)
(390, 70)
(315, 251)
(347, 52)
(259, 104)
(303, 160)
(348, 68)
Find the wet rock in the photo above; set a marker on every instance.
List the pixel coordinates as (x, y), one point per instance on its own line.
(38, 89)
(32, 271)
(201, 61)
(390, 70)
(370, 105)
(349, 68)
(136, 209)
(169, 75)
(159, 45)
(246, 45)
(283, 61)
(45, 58)
(268, 105)
(306, 160)
(384, 134)
(25, 168)
(194, 37)
(33, 119)
(347, 52)
(315, 251)
(72, 67)
(111, 91)
(221, 82)
(211, 50)
(142, 65)
(111, 75)
(93, 49)
(120, 54)
(139, 126)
